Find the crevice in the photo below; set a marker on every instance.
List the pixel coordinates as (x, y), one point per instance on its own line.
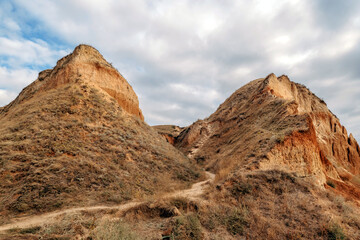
(335, 128)
(348, 154)
(333, 149)
(330, 125)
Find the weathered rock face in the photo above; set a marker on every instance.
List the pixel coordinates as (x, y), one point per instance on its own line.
(273, 123)
(87, 64)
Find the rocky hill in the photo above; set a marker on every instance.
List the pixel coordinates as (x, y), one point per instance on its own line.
(274, 123)
(76, 137)
(281, 156)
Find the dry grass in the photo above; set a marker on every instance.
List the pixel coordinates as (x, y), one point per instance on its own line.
(278, 205)
(71, 146)
(262, 205)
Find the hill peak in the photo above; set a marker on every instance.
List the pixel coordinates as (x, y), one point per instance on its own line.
(85, 65)
(83, 53)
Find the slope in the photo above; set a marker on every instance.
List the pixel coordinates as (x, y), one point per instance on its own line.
(76, 137)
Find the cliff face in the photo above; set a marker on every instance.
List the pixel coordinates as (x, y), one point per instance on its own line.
(86, 64)
(75, 136)
(273, 123)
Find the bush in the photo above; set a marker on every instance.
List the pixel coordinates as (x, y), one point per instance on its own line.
(335, 232)
(241, 188)
(187, 227)
(236, 221)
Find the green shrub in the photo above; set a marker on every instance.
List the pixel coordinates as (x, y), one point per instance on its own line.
(236, 221)
(335, 232)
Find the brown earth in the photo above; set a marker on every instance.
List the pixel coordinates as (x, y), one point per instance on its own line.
(75, 137)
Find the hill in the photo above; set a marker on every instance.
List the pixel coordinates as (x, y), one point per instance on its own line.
(76, 137)
(285, 166)
(273, 123)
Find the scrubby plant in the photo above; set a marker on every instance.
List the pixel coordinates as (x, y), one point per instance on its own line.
(187, 227)
(236, 221)
(335, 232)
(241, 188)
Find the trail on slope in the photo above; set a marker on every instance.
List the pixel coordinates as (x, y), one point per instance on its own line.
(194, 193)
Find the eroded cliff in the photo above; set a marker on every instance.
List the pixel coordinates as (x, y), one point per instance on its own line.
(273, 123)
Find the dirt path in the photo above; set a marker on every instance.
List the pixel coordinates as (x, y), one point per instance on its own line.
(194, 193)
(196, 190)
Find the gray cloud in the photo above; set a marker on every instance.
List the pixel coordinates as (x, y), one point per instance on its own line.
(334, 14)
(183, 58)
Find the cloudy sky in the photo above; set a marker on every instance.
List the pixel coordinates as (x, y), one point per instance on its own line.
(183, 58)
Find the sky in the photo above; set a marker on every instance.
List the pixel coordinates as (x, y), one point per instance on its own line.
(183, 58)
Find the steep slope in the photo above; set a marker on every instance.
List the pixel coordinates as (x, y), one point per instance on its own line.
(273, 123)
(75, 137)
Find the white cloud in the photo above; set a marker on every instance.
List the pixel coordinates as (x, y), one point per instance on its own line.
(193, 54)
(24, 52)
(16, 79)
(6, 97)
(13, 81)
(11, 25)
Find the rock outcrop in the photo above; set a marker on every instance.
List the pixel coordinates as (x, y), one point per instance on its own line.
(86, 64)
(169, 132)
(274, 123)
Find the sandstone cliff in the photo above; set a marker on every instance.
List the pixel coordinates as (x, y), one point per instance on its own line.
(274, 123)
(85, 64)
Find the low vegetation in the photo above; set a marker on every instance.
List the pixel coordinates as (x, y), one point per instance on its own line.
(187, 228)
(72, 146)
